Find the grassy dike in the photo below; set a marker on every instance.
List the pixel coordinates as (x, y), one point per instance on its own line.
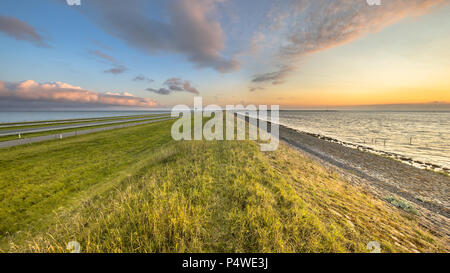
(40, 179)
(136, 190)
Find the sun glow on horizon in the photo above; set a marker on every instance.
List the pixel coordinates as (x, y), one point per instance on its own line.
(397, 53)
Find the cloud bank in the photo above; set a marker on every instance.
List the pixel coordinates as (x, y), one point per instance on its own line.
(62, 92)
(189, 29)
(20, 30)
(314, 26)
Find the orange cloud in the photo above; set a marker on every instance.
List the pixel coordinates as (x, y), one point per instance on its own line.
(62, 92)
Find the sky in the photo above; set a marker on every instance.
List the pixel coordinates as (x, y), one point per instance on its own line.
(299, 54)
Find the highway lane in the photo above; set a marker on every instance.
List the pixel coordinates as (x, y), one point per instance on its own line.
(17, 142)
(33, 123)
(71, 126)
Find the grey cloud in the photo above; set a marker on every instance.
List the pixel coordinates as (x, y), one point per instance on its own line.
(173, 81)
(188, 88)
(189, 29)
(256, 88)
(103, 56)
(176, 88)
(20, 30)
(116, 70)
(161, 91)
(140, 78)
(175, 85)
(276, 77)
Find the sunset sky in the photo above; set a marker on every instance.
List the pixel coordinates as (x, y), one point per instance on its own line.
(154, 54)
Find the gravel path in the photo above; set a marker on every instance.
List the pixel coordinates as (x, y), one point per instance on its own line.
(383, 176)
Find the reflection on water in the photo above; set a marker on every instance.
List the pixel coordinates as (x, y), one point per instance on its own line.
(422, 136)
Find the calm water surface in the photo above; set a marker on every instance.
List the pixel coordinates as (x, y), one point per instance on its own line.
(423, 136)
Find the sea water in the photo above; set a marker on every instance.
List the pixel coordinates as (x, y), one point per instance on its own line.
(421, 136)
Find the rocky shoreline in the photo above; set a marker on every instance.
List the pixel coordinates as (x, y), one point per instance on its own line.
(383, 174)
(407, 160)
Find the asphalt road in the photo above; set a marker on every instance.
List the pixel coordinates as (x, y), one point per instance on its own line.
(69, 126)
(32, 123)
(17, 142)
(6, 125)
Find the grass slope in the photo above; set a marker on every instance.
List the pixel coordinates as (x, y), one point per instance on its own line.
(195, 196)
(37, 179)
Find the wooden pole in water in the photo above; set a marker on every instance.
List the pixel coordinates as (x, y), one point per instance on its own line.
(410, 141)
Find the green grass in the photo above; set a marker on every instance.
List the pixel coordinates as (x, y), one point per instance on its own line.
(135, 190)
(197, 197)
(402, 204)
(37, 179)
